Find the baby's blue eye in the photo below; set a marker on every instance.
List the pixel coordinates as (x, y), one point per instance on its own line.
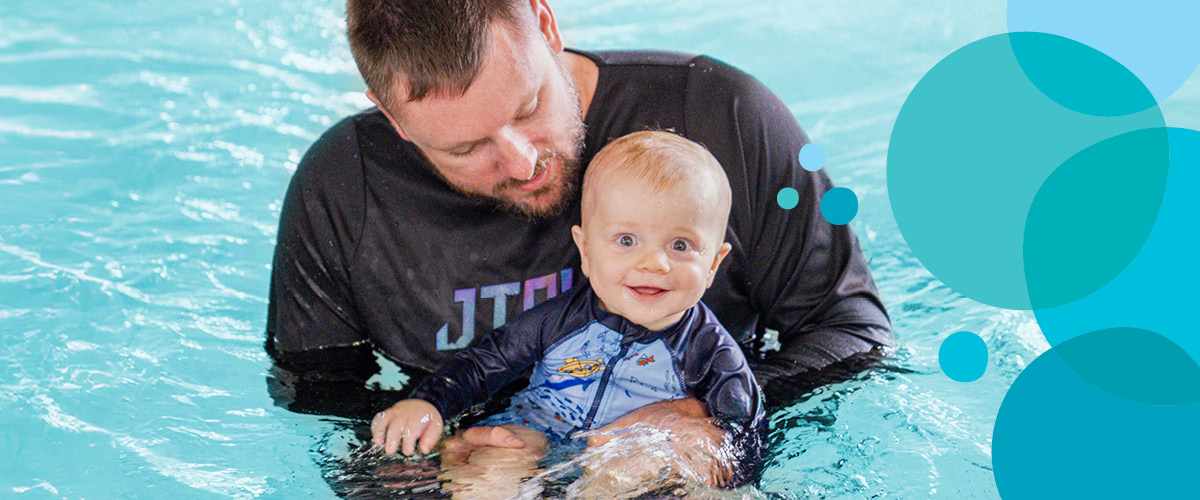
(626, 240)
(680, 246)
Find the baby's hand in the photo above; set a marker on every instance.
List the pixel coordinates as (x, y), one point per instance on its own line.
(402, 425)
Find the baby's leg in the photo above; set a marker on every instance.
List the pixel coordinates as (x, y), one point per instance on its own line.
(486, 472)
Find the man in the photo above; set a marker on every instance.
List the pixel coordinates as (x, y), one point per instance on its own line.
(414, 228)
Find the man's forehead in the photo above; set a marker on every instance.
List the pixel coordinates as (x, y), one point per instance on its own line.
(509, 79)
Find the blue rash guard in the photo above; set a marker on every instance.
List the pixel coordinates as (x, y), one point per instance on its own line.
(591, 367)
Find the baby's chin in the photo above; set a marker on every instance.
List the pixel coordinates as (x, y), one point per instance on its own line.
(655, 321)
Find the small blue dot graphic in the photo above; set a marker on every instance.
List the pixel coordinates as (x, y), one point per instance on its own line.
(812, 157)
(788, 198)
(839, 206)
(963, 357)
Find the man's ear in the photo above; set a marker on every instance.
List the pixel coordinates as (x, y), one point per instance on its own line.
(581, 242)
(547, 26)
(388, 114)
(721, 253)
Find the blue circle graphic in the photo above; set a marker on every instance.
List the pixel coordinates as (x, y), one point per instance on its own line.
(839, 206)
(788, 198)
(1058, 436)
(812, 157)
(963, 357)
(1156, 39)
(1152, 297)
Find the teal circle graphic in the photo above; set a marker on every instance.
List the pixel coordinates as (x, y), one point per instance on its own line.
(812, 157)
(1156, 40)
(839, 206)
(1150, 303)
(787, 198)
(963, 357)
(972, 146)
(1056, 436)
(1091, 216)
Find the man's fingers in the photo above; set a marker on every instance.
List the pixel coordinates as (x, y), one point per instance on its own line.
(492, 436)
(725, 470)
(720, 474)
(598, 440)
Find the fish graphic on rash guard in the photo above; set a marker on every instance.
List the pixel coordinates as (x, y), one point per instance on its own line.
(576, 368)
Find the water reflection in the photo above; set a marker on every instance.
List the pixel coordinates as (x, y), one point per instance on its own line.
(639, 462)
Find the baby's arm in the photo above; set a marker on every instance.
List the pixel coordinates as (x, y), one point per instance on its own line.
(405, 425)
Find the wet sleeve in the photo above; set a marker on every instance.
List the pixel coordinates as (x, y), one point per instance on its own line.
(476, 373)
(313, 327)
(806, 278)
(724, 382)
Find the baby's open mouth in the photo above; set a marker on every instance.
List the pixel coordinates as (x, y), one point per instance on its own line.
(647, 292)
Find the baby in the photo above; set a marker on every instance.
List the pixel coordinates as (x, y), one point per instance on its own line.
(654, 211)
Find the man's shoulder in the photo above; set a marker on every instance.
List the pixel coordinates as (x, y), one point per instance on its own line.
(695, 85)
(614, 58)
(342, 140)
(697, 64)
(336, 162)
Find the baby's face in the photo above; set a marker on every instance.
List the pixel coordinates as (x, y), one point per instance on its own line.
(650, 256)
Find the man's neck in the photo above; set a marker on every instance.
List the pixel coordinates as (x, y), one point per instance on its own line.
(585, 73)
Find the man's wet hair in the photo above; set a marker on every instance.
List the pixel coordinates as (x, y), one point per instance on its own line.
(431, 46)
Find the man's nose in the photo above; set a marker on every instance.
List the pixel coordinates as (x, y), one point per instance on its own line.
(654, 261)
(518, 155)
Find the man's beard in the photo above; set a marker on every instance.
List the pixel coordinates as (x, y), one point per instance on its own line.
(562, 187)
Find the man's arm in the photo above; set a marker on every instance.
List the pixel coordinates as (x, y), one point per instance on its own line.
(304, 382)
(806, 278)
(321, 355)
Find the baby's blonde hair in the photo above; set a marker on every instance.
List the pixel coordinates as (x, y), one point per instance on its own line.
(661, 161)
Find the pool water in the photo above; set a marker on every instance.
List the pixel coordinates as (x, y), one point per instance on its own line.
(144, 150)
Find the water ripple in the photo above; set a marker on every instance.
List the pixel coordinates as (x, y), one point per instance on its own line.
(78, 274)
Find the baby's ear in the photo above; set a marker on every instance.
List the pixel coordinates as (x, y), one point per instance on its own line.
(581, 243)
(721, 253)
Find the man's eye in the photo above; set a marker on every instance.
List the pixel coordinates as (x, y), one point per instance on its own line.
(680, 246)
(465, 152)
(532, 111)
(626, 241)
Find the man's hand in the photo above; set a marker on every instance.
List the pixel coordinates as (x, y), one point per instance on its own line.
(666, 414)
(697, 440)
(405, 425)
(458, 447)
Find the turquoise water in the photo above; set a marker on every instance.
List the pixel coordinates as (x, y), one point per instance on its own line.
(144, 150)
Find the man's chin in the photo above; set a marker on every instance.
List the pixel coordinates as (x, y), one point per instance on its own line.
(537, 204)
(547, 201)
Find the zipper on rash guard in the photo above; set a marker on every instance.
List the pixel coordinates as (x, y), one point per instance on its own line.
(587, 423)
